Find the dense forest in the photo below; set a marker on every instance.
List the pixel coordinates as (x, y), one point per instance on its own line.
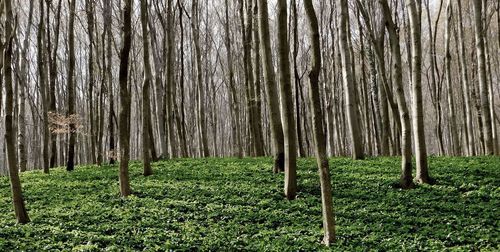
(102, 83)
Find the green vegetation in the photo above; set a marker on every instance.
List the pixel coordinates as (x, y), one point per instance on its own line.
(229, 204)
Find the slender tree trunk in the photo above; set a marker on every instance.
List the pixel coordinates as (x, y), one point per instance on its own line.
(257, 82)
(319, 135)
(15, 183)
(23, 161)
(349, 84)
(202, 128)
(465, 84)
(52, 55)
(125, 99)
(414, 13)
(170, 78)
(89, 7)
(481, 72)
(277, 137)
(43, 89)
(404, 117)
(147, 139)
(71, 88)
(451, 106)
(287, 115)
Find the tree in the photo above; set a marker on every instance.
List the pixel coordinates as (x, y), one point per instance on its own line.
(286, 94)
(124, 116)
(465, 85)
(414, 13)
(406, 167)
(319, 135)
(71, 87)
(10, 138)
(22, 96)
(481, 72)
(202, 129)
(146, 111)
(451, 107)
(43, 89)
(349, 84)
(277, 137)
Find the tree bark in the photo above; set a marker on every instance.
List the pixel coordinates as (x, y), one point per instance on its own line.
(15, 183)
(125, 99)
(404, 117)
(481, 72)
(286, 94)
(319, 135)
(71, 88)
(147, 139)
(277, 137)
(349, 84)
(414, 13)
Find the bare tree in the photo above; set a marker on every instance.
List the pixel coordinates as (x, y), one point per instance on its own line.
(71, 87)
(125, 98)
(15, 183)
(146, 111)
(414, 13)
(319, 135)
(277, 137)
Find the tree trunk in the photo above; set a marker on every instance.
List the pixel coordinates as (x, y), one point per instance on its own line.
(414, 12)
(349, 84)
(465, 84)
(286, 94)
(23, 161)
(71, 88)
(43, 89)
(202, 128)
(271, 88)
(319, 135)
(451, 106)
(404, 117)
(125, 99)
(10, 138)
(481, 72)
(147, 139)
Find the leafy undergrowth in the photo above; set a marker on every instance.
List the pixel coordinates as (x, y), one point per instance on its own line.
(237, 204)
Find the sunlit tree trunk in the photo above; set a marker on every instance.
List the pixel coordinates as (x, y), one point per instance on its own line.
(414, 13)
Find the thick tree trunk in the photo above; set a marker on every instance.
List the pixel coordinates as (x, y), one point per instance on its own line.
(319, 135)
(277, 137)
(125, 99)
(414, 13)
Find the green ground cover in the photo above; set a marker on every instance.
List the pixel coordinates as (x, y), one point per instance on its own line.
(237, 204)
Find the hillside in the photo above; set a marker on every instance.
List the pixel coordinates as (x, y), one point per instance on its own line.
(230, 204)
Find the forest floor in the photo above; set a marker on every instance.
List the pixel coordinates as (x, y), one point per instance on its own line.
(238, 204)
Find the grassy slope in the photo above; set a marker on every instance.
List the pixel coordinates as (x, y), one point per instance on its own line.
(227, 204)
